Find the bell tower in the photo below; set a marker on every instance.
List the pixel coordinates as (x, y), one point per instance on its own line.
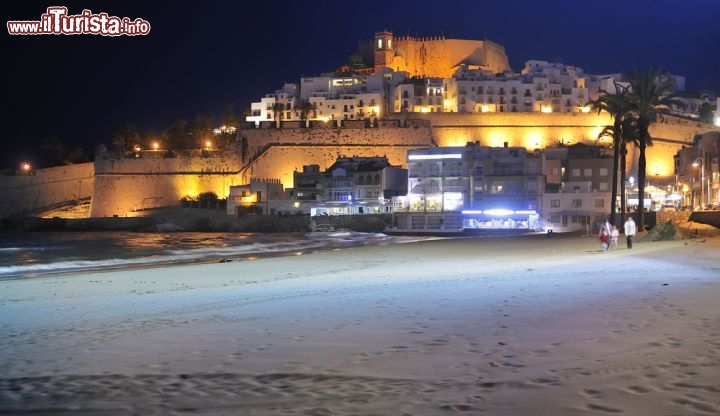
(383, 50)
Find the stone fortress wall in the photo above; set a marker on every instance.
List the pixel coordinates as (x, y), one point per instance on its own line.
(439, 57)
(124, 185)
(26, 194)
(121, 186)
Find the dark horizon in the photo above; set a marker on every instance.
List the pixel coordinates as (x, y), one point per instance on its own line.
(199, 59)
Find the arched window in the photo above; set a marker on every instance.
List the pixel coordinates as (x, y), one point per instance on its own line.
(377, 179)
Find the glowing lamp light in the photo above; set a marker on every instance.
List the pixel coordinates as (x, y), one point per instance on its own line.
(545, 108)
(208, 144)
(155, 145)
(435, 157)
(498, 212)
(424, 110)
(25, 167)
(717, 121)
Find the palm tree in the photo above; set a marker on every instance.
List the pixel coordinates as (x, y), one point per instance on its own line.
(201, 129)
(651, 93)
(306, 108)
(617, 106)
(277, 109)
(128, 135)
(629, 136)
(176, 135)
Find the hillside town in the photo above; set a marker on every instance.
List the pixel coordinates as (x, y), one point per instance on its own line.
(441, 134)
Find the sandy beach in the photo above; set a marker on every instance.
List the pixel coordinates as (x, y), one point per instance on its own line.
(531, 325)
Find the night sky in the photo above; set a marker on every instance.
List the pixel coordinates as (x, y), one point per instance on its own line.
(199, 57)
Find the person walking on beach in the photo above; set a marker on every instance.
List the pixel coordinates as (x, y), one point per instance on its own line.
(614, 235)
(605, 232)
(630, 231)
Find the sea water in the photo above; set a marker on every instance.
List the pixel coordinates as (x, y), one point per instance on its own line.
(36, 254)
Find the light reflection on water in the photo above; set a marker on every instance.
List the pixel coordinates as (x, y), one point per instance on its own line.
(33, 254)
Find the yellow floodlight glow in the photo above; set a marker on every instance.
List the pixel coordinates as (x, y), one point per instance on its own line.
(534, 139)
(424, 110)
(497, 137)
(585, 109)
(546, 108)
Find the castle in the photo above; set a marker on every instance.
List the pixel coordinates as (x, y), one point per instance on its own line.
(436, 57)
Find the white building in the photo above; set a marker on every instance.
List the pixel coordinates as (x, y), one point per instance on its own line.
(351, 186)
(471, 187)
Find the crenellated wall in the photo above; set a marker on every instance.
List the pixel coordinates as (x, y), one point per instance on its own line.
(439, 56)
(46, 188)
(258, 139)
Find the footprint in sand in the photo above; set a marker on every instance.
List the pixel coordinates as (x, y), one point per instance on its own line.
(637, 389)
(601, 408)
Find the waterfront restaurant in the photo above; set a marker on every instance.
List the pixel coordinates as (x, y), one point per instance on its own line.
(472, 187)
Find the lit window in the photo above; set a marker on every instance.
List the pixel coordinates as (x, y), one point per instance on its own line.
(603, 171)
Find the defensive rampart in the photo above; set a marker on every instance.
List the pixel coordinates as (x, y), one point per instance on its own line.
(121, 185)
(124, 185)
(44, 189)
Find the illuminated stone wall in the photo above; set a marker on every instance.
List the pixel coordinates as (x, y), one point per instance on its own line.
(529, 130)
(439, 57)
(123, 186)
(258, 139)
(28, 194)
(127, 185)
(282, 161)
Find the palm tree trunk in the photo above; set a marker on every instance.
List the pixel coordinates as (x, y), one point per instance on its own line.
(623, 175)
(616, 152)
(641, 186)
